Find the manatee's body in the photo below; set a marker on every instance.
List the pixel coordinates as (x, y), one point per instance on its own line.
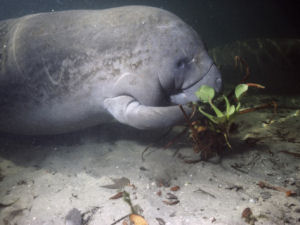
(68, 70)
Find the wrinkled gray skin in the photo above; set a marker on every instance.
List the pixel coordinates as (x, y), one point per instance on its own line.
(64, 71)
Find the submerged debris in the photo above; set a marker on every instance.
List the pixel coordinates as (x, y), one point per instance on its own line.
(117, 196)
(118, 183)
(205, 192)
(74, 217)
(1, 175)
(172, 196)
(295, 154)
(88, 215)
(4, 205)
(13, 214)
(288, 193)
(248, 216)
(175, 188)
(134, 217)
(172, 202)
(137, 220)
(160, 221)
(235, 187)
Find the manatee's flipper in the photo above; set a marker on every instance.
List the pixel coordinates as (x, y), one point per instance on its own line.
(129, 111)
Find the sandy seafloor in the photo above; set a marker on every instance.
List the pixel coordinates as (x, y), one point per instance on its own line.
(45, 177)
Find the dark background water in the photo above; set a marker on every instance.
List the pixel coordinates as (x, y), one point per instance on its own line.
(217, 21)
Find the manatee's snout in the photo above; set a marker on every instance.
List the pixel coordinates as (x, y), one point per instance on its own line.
(212, 78)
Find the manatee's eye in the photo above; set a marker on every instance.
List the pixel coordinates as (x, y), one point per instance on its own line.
(182, 63)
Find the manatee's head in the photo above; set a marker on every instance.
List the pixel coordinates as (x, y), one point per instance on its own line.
(190, 70)
(168, 63)
(185, 65)
(179, 59)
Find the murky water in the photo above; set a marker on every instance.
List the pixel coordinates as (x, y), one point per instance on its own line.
(42, 178)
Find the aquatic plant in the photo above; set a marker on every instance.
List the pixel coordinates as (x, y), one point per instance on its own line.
(134, 217)
(221, 120)
(210, 135)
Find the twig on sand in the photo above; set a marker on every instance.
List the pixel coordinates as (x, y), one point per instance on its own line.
(119, 220)
(205, 192)
(157, 140)
(288, 193)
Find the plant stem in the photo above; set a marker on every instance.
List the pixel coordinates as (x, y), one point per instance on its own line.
(226, 139)
(194, 131)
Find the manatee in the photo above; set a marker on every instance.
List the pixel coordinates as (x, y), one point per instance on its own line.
(68, 70)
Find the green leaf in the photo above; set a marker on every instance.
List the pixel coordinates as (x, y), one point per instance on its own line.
(205, 93)
(217, 111)
(231, 111)
(238, 107)
(240, 89)
(211, 117)
(227, 104)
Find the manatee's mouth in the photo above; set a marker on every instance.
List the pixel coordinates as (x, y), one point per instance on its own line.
(211, 78)
(198, 81)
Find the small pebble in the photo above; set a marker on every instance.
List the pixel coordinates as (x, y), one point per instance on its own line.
(74, 217)
(297, 210)
(265, 195)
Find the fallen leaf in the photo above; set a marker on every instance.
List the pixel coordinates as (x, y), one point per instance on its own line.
(171, 202)
(213, 219)
(171, 196)
(248, 216)
(3, 205)
(288, 193)
(117, 196)
(137, 220)
(247, 212)
(175, 188)
(118, 183)
(160, 221)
